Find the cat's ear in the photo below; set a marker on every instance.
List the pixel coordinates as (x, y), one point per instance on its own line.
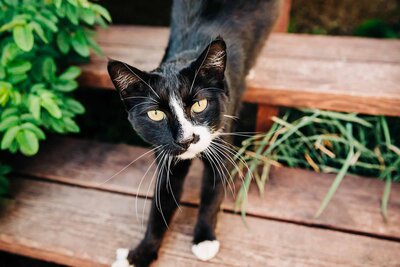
(125, 76)
(212, 60)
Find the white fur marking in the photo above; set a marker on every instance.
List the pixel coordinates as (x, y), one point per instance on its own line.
(187, 127)
(121, 258)
(206, 250)
(204, 141)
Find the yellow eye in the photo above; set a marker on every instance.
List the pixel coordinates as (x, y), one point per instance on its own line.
(156, 115)
(199, 106)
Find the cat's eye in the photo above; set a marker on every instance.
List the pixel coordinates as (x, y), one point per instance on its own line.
(199, 106)
(156, 115)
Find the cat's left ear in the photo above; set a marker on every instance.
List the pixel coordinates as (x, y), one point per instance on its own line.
(212, 61)
(125, 76)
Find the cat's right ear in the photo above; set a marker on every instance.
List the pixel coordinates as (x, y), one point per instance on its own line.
(125, 77)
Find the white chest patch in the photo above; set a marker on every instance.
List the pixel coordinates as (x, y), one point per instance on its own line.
(188, 129)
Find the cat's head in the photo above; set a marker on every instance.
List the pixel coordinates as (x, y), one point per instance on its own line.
(179, 109)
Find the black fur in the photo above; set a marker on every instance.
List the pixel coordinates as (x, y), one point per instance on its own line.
(212, 46)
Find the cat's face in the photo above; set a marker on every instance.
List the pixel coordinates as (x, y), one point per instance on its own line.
(181, 110)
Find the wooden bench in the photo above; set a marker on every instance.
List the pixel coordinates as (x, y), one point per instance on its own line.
(61, 212)
(294, 70)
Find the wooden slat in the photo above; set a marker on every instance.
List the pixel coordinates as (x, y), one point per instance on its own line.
(279, 44)
(291, 195)
(336, 73)
(82, 227)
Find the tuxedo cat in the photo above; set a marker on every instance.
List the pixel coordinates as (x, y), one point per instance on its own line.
(183, 108)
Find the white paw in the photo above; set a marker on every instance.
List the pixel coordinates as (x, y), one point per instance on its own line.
(121, 258)
(206, 250)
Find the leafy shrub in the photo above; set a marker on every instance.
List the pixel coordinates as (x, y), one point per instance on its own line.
(325, 141)
(39, 39)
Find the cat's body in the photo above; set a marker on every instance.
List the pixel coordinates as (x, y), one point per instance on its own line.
(181, 106)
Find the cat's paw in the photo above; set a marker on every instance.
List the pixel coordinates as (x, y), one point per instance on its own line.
(121, 258)
(206, 250)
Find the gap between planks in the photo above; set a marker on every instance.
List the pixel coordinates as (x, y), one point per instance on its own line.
(292, 195)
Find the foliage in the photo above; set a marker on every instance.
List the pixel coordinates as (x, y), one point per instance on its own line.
(325, 142)
(377, 28)
(344, 17)
(38, 41)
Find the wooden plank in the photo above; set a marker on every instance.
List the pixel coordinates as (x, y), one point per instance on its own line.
(282, 24)
(306, 46)
(264, 117)
(342, 74)
(291, 195)
(82, 227)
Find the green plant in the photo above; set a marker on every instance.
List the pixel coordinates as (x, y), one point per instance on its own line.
(39, 39)
(324, 141)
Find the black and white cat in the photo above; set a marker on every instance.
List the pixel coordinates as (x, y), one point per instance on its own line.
(182, 107)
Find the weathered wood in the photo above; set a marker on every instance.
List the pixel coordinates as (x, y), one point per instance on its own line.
(291, 194)
(336, 73)
(282, 23)
(264, 115)
(83, 227)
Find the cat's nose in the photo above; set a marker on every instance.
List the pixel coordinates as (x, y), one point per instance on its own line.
(185, 143)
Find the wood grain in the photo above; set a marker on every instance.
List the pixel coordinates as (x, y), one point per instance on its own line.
(291, 195)
(335, 73)
(83, 227)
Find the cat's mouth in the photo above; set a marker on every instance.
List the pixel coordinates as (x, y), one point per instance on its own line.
(201, 144)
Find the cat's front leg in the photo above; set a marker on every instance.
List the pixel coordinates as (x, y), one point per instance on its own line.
(169, 191)
(205, 243)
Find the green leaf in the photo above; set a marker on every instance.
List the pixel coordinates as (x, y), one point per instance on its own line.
(101, 11)
(9, 112)
(9, 122)
(10, 52)
(49, 68)
(72, 14)
(19, 67)
(71, 73)
(66, 86)
(12, 24)
(9, 137)
(51, 107)
(30, 126)
(46, 23)
(34, 106)
(23, 37)
(79, 43)
(88, 16)
(39, 31)
(28, 142)
(74, 106)
(63, 42)
(5, 89)
(57, 3)
(2, 72)
(17, 78)
(70, 125)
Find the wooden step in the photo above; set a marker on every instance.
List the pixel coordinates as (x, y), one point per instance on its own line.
(335, 73)
(291, 195)
(82, 227)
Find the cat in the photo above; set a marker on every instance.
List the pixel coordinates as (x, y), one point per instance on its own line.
(183, 108)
